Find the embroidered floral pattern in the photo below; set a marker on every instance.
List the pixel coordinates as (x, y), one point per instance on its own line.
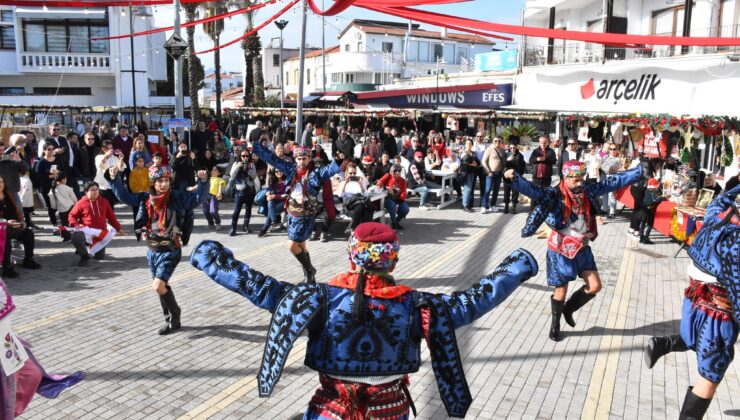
(6, 302)
(373, 255)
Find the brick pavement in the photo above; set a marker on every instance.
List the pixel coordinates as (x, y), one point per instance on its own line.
(103, 319)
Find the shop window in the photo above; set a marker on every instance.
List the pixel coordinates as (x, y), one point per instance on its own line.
(413, 54)
(7, 30)
(423, 51)
(438, 52)
(276, 60)
(12, 91)
(449, 52)
(387, 47)
(62, 91)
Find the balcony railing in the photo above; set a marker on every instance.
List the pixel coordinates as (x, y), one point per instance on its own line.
(55, 62)
(576, 52)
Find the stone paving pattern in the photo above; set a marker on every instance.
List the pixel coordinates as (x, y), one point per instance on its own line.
(103, 319)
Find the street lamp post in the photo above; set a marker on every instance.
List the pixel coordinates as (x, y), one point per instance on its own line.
(133, 70)
(301, 74)
(281, 24)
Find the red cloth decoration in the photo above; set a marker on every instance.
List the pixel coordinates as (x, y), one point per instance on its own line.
(375, 232)
(375, 286)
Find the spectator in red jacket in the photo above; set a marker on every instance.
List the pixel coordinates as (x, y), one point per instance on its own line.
(395, 202)
(89, 219)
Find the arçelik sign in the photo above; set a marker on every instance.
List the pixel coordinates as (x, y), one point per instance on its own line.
(622, 89)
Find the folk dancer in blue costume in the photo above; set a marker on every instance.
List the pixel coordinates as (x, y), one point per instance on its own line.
(364, 328)
(711, 305)
(305, 182)
(570, 209)
(160, 217)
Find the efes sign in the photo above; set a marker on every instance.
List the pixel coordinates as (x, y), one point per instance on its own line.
(494, 97)
(638, 89)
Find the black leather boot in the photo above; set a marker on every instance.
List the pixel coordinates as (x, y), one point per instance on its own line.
(660, 346)
(557, 310)
(308, 270)
(694, 406)
(513, 208)
(576, 301)
(506, 208)
(173, 320)
(232, 232)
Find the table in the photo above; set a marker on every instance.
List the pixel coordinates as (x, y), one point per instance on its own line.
(663, 214)
(379, 197)
(446, 188)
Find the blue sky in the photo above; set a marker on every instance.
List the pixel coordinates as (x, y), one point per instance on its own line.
(499, 11)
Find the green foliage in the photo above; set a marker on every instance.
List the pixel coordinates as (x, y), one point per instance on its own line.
(726, 159)
(523, 130)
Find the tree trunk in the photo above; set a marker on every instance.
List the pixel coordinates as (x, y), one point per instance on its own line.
(217, 63)
(248, 78)
(258, 79)
(190, 14)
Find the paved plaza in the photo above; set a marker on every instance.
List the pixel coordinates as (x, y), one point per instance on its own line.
(103, 319)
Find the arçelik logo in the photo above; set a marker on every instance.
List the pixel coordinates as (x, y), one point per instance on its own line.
(618, 89)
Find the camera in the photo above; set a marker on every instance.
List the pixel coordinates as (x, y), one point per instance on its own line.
(354, 178)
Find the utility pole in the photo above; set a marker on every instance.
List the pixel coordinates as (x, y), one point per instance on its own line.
(301, 75)
(178, 72)
(323, 49)
(133, 70)
(281, 25)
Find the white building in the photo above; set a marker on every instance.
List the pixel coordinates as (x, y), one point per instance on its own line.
(207, 95)
(271, 65)
(48, 57)
(372, 53)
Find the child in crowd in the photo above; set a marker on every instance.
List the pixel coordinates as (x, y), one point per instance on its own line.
(26, 193)
(215, 194)
(157, 159)
(276, 198)
(62, 198)
(138, 180)
(649, 205)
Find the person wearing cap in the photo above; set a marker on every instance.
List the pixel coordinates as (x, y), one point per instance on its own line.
(711, 304)
(160, 218)
(371, 170)
(395, 202)
(416, 179)
(364, 327)
(569, 209)
(305, 181)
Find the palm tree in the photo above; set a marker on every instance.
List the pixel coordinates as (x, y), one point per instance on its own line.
(191, 13)
(214, 30)
(254, 86)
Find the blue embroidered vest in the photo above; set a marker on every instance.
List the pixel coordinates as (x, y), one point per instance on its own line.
(387, 343)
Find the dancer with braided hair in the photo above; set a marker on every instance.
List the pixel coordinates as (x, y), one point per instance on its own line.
(160, 217)
(364, 327)
(305, 182)
(570, 209)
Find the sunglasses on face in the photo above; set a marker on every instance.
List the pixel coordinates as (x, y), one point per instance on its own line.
(612, 148)
(56, 129)
(245, 156)
(572, 144)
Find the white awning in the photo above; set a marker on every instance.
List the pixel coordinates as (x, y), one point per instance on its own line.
(330, 98)
(60, 13)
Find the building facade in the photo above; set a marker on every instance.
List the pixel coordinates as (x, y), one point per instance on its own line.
(229, 81)
(375, 53)
(48, 57)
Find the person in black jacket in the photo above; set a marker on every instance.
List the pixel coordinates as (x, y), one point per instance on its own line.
(344, 144)
(515, 161)
(184, 167)
(542, 160)
(388, 142)
(85, 161)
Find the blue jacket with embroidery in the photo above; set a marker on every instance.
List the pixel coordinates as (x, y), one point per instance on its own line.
(387, 343)
(548, 201)
(316, 177)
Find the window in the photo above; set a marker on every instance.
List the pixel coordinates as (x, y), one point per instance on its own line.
(728, 16)
(359, 47)
(449, 53)
(423, 51)
(65, 36)
(295, 76)
(286, 78)
(62, 91)
(387, 47)
(346, 47)
(12, 91)
(276, 60)
(413, 51)
(438, 52)
(668, 21)
(308, 76)
(7, 30)
(462, 53)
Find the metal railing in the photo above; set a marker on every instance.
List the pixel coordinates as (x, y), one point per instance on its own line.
(577, 52)
(43, 62)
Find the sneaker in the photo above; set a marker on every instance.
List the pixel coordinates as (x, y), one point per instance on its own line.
(611, 216)
(262, 234)
(647, 241)
(324, 237)
(84, 260)
(494, 210)
(467, 209)
(423, 208)
(218, 227)
(483, 210)
(211, 226)
(631, 231)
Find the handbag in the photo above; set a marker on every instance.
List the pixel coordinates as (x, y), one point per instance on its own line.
(260, 199)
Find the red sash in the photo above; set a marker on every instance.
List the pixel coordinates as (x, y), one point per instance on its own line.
(565, 244)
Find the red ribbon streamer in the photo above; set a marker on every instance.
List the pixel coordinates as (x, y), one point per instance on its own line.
(257, 28)
(594, 37)
(113, 3)
(193, 23)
